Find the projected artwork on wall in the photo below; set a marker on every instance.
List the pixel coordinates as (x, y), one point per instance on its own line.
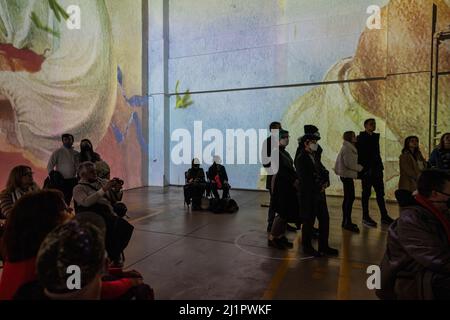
(83, 79)
(319, 46)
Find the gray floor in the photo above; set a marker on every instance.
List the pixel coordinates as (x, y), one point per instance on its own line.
(200, 255)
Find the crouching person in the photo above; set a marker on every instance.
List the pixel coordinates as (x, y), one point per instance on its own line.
(416, 264)
(103, 197)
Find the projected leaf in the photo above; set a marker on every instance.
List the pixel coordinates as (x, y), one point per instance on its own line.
(59, 13)
(182, 101)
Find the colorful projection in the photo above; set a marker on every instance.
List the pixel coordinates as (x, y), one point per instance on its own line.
(329, 63)
(81, 76)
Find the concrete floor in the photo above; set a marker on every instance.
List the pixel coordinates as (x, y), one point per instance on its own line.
(200, 255)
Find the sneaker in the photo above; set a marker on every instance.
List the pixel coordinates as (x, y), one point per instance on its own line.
(286, 242)
(276, 243)
(329, 251)
(351, 227)
(368, 222)
(310, 251)
(387, 220)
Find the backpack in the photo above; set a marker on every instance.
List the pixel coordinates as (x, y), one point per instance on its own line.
(223, 206)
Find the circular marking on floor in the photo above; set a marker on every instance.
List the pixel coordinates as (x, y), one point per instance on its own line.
(287, 255)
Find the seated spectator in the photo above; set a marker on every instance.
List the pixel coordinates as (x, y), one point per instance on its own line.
(80, 242)
(20, 182)
(218, 178)
(92, 190)
(103, 197)
(416, 264)
(195, 185)
(440, 157)
(87, 153)
(33, 216)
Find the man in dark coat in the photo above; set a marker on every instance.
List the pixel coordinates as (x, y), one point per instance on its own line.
(284, 197)
(313, 180)
(368, 145)
(195, 185)
(266, 154)
(416, 264)
(218, 178)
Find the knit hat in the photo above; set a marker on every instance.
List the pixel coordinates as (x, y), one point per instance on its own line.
(312, 132)
(283, 133)
(79, 242)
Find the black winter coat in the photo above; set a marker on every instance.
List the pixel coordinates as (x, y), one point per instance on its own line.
(369, 152)
(417, 250)
(312, 176)
(284, 197)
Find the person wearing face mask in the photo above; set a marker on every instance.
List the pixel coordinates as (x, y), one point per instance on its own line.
(314, 179)
(217, 175)
(416, 263)
(368, 145)
(64, 161)
(284, 196)
(440, 157)
(312, 131)
(87, 154)
(195, 185)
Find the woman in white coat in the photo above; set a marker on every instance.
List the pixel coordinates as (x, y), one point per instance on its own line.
(347, 168)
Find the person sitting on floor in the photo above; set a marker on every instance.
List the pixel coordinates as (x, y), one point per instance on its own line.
(218, 178)
(195, 185)
(416, 264)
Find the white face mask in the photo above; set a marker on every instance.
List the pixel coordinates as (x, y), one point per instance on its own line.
(314, 147)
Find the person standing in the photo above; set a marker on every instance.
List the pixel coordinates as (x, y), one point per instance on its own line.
(314, 179)
(87, 153)
(412, 163)
(347, 168)
(440, 157)
(368, 145)
(64, 161)
(267, 150)
(284, 195)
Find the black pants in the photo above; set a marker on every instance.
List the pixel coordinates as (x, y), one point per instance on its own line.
(67, 189)
(225, 189)
(349, 198)
(270, 214)
(195, 192)
(322, 215)
(375, 180)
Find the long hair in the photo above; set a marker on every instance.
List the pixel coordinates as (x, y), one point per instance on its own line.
(33, 216)
(88, 154)
(406, 146)
(441, 145)
(15, 178)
